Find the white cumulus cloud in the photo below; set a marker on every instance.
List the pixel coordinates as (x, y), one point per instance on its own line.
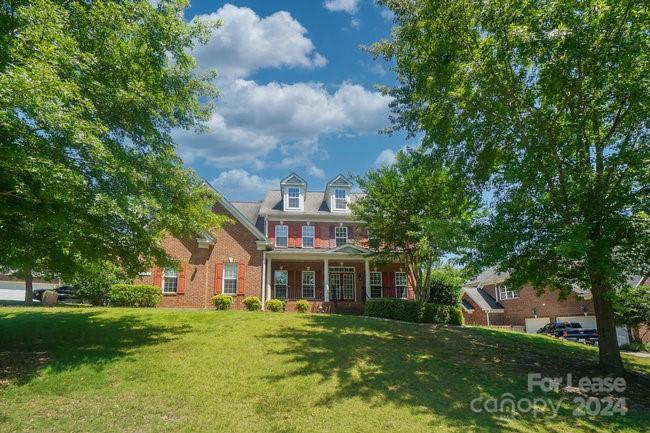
(349, 6)
(385, 158)
(247, 42)
(242, 183)
(252, 120)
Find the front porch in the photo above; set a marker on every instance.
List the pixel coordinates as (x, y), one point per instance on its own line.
(332, 281)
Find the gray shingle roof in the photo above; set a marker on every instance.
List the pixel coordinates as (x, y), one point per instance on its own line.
(315, 204)
(483, 299)
(488, 276)
(249, 209)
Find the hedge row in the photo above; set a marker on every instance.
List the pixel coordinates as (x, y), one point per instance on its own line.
(412, 311)
(134, 295)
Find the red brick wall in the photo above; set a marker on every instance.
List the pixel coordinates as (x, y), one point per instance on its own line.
(547, 305)
(322, 239)
(233, 241)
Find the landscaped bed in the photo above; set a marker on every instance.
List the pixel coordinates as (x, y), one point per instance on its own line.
(155, 370)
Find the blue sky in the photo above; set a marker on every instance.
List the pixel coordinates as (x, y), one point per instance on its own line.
(297, 94)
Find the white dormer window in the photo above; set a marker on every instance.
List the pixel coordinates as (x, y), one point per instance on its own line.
(340, 199)
(293, 198)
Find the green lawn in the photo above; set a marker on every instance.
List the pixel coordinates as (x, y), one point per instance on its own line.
(125, 370)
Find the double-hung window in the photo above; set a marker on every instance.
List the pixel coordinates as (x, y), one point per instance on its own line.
(281, 236)
(308, 284)
(308, 236)
(170, 280)
(293, 198)
(400, 284)
(280, 284)
(340, 199)
(230, 278)
(341, 236)
(375, 284)
(506, 293)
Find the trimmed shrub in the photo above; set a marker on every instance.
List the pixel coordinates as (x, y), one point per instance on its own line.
(456, 316)
(252, 303)
(134, 295)
(636, 346)
(222, 302)
(275, 305)
(93, 282)
(302, 306)
(435, 313)
(412, 311)
(397, 309)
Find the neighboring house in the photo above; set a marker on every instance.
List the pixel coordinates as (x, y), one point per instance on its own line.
(294, 244)
(488, 301)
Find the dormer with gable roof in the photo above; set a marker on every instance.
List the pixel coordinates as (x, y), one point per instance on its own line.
(293, 189)
(337, 194)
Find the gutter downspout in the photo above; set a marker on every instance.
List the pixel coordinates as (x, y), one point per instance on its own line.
(487, 314)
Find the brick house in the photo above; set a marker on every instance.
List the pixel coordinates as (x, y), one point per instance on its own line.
(294, 244)
(488, 301)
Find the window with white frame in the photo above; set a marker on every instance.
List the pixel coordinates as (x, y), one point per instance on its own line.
(170, 280)
(230, 278)
(400, 284)
(280, 284)
(281, 236)
(506, 293)
(375, 284)
(341, 236)
(308, 284)
(293, 198)
(308, 236)
(340, 199)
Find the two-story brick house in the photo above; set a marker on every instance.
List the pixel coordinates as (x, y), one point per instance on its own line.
(294, 244)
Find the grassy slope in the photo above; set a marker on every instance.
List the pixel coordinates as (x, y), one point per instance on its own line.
(107, 370)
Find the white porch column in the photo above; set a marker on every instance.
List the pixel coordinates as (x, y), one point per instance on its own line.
(326, 283)
(269, 279)
(367, 264)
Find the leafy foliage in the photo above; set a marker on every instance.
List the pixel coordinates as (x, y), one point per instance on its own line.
(91, 92)
(94, 281)
(222, 302)
(134, 295)
(418, 211)
(252, 303)
(632, 306)
(545, 107)
(412, 311)
(302, 306)
(446, 285)
(275, 305)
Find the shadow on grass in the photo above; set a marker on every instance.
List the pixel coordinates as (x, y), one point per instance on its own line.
(31, 340)
(430, 371)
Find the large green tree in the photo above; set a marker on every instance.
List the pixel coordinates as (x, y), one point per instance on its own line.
(89, 95)
(417, 213)
(545, 105)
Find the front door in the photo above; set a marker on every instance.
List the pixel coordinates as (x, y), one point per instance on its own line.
(342, 286)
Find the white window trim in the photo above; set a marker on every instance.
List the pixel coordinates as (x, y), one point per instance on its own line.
(313, 237)
(302, 284)
(289, 198)
(509, 294)
(223, 280)
(406, 285)
(347, 198)
(381, 283)
(275, 281)
(162, 284)
(276, 236)
(335, 237)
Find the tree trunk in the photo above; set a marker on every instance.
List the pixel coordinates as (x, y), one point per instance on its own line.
(29, 288)
(609, 355)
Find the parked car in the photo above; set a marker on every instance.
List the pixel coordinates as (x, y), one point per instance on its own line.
(571, 331)
(65, 293)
